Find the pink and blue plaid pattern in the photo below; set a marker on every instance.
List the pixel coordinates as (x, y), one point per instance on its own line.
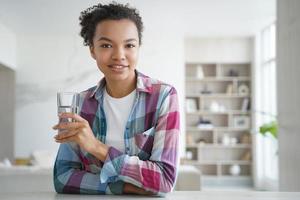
(151, 136)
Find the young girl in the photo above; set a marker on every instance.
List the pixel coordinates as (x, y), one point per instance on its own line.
(125, 138)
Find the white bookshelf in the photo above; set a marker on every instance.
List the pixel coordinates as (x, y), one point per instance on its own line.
(206, 145)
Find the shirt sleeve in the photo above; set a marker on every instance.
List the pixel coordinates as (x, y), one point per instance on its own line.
(71, 177)
(158, 174)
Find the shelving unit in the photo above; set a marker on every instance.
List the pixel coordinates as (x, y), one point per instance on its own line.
(215, 94)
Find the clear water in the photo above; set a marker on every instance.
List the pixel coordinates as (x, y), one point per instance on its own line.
(69, 109)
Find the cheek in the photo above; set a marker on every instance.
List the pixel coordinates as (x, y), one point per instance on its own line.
(103, 57)
(133, 56)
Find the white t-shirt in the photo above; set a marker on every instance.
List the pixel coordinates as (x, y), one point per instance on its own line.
(117, 111)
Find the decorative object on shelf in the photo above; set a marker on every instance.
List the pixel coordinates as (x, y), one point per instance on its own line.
(205, 90)
(217, 107)
(246, 156)
(245, 105)
(226, 140)
(235, 170)
(191, 105)
(243, 89)
(229, 88)
(23, 161)
(222, 108)
(199, 72)
(189, 139)
(245, 138)
(233, 73)
(233, 141)
(241, 121)
(6, 163)
(214, 106)
(205, 124)
(201, 141)
(189, 155)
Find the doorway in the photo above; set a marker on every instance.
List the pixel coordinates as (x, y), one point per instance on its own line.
(7, 112)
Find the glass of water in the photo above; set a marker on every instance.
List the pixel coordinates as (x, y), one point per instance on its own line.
(67, 102)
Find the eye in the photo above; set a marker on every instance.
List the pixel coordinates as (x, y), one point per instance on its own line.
(106, 45)
(130, 46)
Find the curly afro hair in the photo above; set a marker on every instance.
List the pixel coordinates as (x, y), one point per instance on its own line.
(90, 17)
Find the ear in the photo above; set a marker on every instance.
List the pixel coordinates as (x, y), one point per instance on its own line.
(92, 51)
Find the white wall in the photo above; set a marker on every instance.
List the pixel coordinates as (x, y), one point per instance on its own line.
(47, 64)
(7, 47)
(288, 80)
(212, 50)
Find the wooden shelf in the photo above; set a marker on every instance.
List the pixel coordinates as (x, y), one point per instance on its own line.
(218, 162)
(217, 95)
(213, 78)
(226, 177)
(221, 129)
(217, 85)
(229, 112)
(225, 146)
(218, 146)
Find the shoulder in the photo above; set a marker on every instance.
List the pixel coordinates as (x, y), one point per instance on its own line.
(88, 92)
(155, 86)
(84, 97)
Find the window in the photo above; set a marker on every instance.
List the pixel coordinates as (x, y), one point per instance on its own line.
(267, 155)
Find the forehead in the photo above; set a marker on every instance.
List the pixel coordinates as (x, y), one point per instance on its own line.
(116, 30)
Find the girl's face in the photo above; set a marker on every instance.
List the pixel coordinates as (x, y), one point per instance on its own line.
(115, 49)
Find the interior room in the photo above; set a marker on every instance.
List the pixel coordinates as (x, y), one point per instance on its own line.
(233, 63)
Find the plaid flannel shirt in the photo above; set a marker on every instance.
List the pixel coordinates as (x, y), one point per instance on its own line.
(151, 137)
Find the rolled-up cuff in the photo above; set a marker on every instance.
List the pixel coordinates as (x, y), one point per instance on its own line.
(112, 165)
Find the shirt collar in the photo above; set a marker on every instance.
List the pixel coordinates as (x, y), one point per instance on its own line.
(143, 84)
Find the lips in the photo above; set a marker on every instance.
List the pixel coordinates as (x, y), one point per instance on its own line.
(117, 67)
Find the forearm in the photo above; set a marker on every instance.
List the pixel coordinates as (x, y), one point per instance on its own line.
(68, 178)
(99, 150)
(132, 189)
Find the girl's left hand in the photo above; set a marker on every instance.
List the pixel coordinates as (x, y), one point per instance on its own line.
(78, 132)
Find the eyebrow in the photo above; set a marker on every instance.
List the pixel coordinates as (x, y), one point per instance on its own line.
(109, 40)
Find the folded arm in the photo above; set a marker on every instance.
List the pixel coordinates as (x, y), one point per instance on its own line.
(156, 175)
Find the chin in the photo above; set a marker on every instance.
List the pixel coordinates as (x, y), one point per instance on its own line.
(119, 76)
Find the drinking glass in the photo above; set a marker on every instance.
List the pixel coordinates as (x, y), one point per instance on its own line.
(67, 102)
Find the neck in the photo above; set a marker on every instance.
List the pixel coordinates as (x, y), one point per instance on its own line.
(119, 89)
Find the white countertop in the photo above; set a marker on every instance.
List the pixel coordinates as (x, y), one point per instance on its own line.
(186, 195)
(17, 170)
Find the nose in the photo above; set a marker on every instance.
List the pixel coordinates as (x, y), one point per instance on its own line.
(118, 54)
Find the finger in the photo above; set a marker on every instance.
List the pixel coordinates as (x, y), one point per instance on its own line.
(68, 125)
(62, 141)
(62, 131)
(66, 134)
(74, 116)
(66, 139)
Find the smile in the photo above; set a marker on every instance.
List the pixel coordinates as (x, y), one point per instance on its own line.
(117, 68)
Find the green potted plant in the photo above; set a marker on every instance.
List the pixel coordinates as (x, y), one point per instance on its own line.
(271, 127)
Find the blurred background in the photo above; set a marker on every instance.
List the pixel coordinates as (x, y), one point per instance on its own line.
(233, 63)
